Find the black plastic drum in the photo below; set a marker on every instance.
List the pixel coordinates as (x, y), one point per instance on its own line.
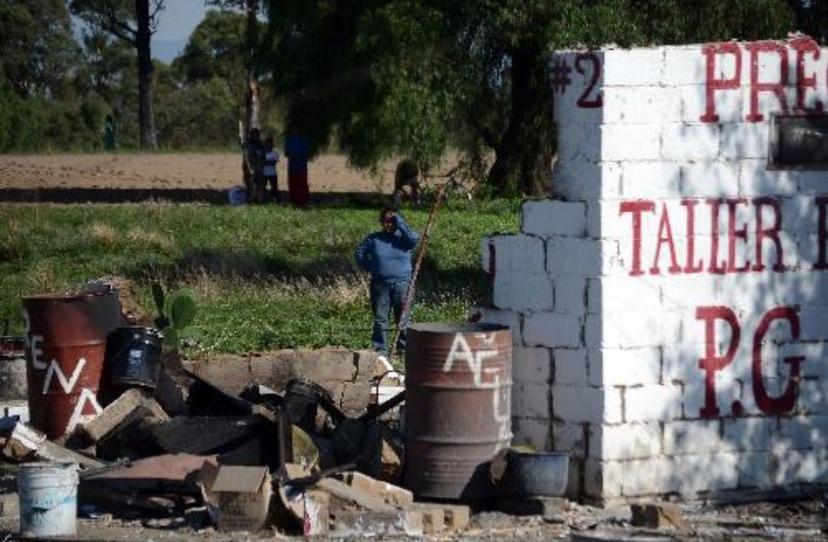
(134, 357)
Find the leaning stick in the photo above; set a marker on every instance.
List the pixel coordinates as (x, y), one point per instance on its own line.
(409, 292)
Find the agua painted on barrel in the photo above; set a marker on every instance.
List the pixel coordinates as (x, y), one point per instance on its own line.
(65, 348)
(48, 494)
(458, 408)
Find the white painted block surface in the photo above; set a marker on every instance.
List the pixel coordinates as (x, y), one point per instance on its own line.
(683, 142)
(577, 404)
(627, 441)
(625, 367)
(692, 437)
(652, 403)
(714, 472)
(566, 256)
(621, 142)
(632, 67)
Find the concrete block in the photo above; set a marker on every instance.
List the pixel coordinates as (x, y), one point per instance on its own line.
(533, 432)
(583, 180)
(531, 364)
(571, 438)
(623, 294)
(546, 218)
(552, 330)
(728, 104)
(530, 400)
(796, 466)
(571, 367)
(518, 254)
(624, 367)
(581, 144)
(632, 67)
(689, 142)
(709, 472)
(745, 140)
(692, 437)
(646, 477)
(651, 179)
(754, 470)
(570, 295)
(567, 256)
(603, 479)
(132, 405)
(515, 290)
(756, 180)
(706, 179)
(632, 329)
(652, 403)
(361, 523)
(800, 432)
(642, 105)
(578, 404)
(814, 323)
(627, 441)
(390, 493)
(630, 142)
(684, 65)
(659, 516)
(746, 434)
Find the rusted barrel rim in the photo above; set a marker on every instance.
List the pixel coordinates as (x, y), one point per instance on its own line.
(70, 296)
(457, 328)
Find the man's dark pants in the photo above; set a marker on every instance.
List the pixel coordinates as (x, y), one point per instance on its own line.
(387, 296)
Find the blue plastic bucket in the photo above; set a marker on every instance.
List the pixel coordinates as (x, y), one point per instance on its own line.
(237, 195)
(48, 494)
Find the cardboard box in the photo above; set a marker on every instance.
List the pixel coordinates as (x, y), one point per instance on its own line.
(241, 496)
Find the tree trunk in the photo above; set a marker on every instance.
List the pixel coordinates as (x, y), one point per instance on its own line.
(251, 102)
(146, 117)
(523, 158)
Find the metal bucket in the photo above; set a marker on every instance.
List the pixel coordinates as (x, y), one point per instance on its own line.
(133, 357)
(48, 494)
(65, 347)
(458, 387)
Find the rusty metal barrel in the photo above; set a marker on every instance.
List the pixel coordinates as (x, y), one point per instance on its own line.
(458, 388)
(65, 347)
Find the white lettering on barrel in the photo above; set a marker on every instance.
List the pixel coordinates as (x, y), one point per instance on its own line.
(32, 343)
(86, 396)
(460, 351)
(67, 385)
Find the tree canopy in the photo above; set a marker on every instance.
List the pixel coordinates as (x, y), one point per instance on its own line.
(375, 79)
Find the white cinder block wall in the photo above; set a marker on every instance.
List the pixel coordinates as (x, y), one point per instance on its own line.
(670, 315)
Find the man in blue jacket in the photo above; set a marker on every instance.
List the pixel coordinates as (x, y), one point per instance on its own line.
(386, 254)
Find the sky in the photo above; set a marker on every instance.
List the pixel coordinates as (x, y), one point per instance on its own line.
(176, 22)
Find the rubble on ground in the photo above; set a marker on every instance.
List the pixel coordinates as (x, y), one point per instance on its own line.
(292, 444)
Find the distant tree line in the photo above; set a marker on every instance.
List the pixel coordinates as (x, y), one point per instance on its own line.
(376, 79)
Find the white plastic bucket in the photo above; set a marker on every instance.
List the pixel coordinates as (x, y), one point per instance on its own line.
(48, 495)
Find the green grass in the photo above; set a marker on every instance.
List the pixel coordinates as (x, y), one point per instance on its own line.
(265, 277)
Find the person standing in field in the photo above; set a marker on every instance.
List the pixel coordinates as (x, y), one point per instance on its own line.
(386, 254)
(254, 158)
(296, 150)
(270, 175)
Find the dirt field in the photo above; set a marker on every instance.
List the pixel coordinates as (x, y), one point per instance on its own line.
(217, 171)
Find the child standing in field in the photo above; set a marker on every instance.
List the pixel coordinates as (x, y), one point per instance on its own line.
(386, 254)
(270, 174)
